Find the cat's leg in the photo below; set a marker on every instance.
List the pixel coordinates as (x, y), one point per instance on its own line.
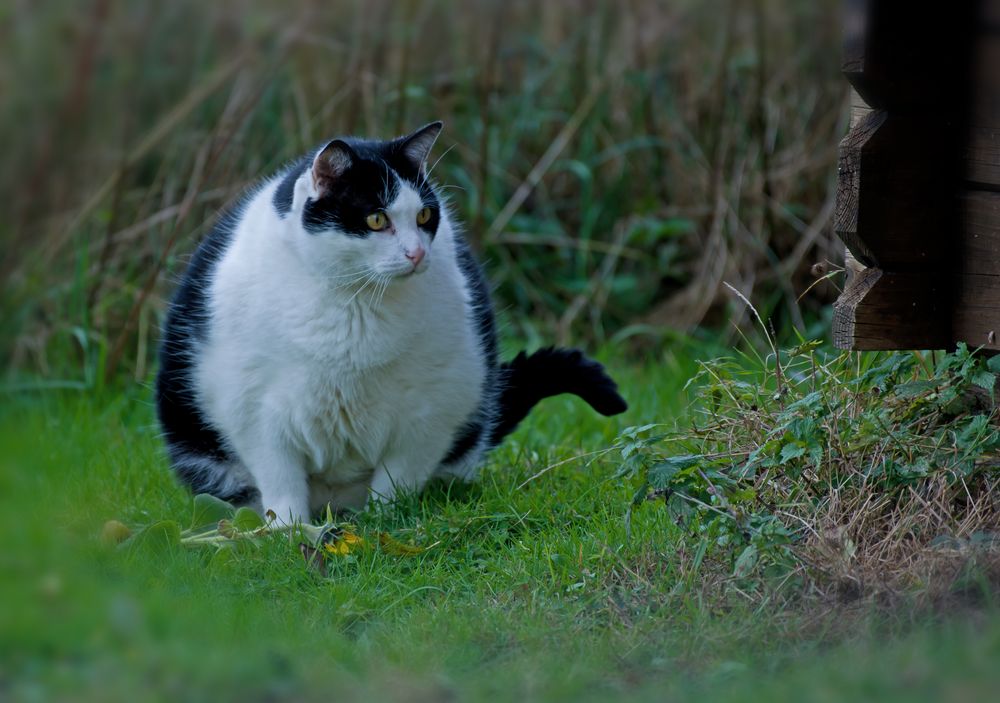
(407, 468)
(281, 480)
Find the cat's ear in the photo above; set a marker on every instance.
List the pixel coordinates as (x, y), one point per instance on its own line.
(417, 146)
(330, 164)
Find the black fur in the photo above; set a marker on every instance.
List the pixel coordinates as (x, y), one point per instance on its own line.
(286, 189)
(482, 315)
(370, 184)
(548, 372)
(196, 448)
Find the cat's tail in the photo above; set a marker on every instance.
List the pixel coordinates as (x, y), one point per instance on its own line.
(527, 379)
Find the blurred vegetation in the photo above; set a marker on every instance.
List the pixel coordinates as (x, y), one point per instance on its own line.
(614, 162)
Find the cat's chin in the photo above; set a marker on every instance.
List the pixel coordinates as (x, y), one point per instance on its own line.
(408, 272)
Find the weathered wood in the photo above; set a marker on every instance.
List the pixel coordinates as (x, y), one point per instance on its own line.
(902, 166)
(887, 165)
(849, 165)
(893, 51)
(981, 157)
(934, 309)
(979, 242)
(982, 151)
(882, 310)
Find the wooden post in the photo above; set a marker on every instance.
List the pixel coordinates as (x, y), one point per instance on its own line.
(918, 197)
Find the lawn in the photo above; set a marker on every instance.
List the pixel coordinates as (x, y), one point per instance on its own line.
(538, 584)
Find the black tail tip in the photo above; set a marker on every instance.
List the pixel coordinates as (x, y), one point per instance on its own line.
(602, 394)
(576, 373)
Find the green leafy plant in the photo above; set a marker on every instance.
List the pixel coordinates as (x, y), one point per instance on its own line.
(839, 468)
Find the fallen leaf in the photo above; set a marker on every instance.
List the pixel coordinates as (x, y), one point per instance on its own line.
(115, 532)
(396, 548)
(345, 543)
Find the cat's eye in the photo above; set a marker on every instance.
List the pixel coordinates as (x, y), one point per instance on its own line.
(377, 221)
(424, 216)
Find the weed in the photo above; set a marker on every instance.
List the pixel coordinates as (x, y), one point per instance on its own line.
(845, 473)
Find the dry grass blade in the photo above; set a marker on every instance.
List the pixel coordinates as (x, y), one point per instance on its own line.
(165, 126)
(544, 163)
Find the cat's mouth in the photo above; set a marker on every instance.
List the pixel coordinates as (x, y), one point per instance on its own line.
(410, 271)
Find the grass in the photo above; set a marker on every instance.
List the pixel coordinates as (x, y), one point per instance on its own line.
(533, 590)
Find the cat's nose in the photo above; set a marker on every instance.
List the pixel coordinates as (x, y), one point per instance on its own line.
(416, 255)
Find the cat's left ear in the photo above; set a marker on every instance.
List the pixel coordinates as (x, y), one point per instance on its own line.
(417, 146)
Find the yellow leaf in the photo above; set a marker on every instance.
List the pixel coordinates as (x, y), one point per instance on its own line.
(115, 532)
(346, 543)
(397, 548)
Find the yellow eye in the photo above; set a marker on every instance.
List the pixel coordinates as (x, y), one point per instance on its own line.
(424, 216)
(377, 221)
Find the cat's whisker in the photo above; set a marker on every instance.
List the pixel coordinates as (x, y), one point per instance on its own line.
(371, 277)
(371, 299)
(350, 281)
(386, 177)
(430, 170)
(356, 274)
(385, 287)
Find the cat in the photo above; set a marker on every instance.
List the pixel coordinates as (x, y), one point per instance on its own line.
(333, 341)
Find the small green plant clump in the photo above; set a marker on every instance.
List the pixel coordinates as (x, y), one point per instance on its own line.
(850, 474)
(226, 529)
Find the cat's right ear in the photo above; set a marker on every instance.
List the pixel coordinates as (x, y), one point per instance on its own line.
(330, 164)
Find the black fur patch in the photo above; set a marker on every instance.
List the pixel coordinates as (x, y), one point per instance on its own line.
(195, 446)
(370, 184)
(551, 371)
(285, 191)
(482, 312)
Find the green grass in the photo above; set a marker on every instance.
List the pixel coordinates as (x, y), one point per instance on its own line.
(533, 591)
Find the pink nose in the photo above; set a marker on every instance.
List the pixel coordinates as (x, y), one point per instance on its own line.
(416, 256)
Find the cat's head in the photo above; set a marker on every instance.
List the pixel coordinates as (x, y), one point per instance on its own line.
(366, 207)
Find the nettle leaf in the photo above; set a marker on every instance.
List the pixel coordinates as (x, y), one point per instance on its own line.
(746, 561)
(977, 434)
(811, 401)
(993, 363)
(816, 454)
(208, 510)
(631, 466)
(791, 451)
(883, 375)
(984, 379)
(664, 472)
(635, 431)
(914, 389)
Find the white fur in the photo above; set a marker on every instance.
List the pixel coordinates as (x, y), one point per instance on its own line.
(334, 371)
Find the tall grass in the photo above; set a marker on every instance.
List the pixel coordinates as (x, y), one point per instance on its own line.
(614, 163)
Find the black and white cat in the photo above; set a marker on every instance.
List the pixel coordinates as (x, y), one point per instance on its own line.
(333, 341)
